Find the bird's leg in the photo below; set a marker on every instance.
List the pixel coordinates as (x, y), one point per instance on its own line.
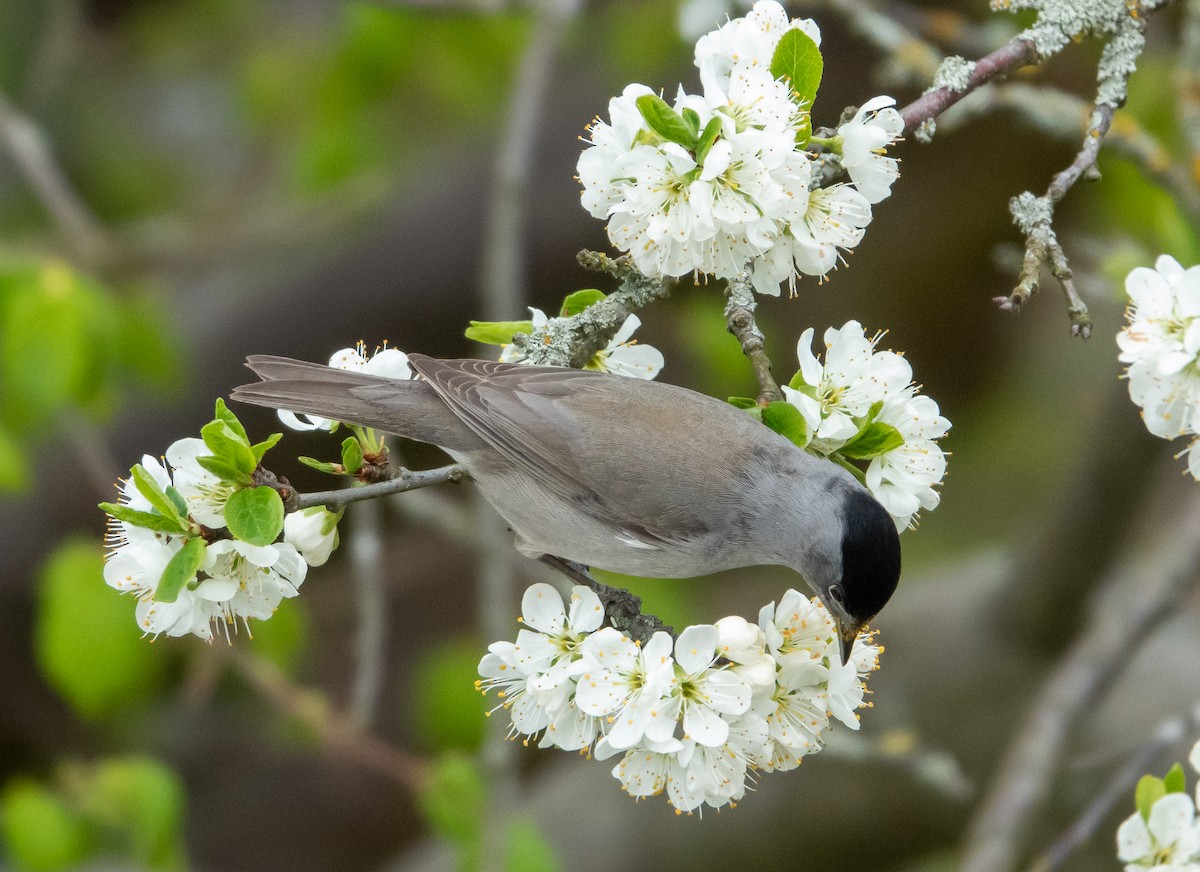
(622, 609)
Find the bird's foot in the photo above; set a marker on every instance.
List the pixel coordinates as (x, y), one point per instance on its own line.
(622, 609)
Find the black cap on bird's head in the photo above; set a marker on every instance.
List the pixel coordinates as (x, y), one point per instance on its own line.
(870, 566)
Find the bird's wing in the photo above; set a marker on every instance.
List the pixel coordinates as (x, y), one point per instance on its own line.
(579, 435)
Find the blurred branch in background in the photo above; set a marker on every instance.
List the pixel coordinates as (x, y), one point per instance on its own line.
(1171, 733)
(1142, 590)
(371, 603)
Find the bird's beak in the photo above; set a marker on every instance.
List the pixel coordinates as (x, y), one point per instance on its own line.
(847, 633)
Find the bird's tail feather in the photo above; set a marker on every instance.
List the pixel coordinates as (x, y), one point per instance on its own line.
(407, 408)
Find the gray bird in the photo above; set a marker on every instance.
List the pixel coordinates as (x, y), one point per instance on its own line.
(632, 476)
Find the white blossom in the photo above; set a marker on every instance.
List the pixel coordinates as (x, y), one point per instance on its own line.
(1169, 839)
(629, 683)
(873, 128)
(249, 581)
(204, 493)
(700, 693)
(312, 532)
(385, 362)
(903, 479)
(847, 688)
(1161, 346)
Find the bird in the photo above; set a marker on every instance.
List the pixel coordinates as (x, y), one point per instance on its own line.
(632, 476)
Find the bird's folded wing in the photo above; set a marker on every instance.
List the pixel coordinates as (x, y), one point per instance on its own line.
(568, 430)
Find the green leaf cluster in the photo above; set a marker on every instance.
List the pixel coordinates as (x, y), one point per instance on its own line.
(798, 62)
(502, 332)
(68, 349)
(454, 804)
(127, 810)
(1151, 789)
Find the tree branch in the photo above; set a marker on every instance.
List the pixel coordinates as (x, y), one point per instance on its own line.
(739, 316)
(407, 480)
(1133, 602)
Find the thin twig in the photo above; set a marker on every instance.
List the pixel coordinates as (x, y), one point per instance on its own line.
(31, 153)
(739, 318)
(1169, 734)
(1135, 599)
(407, 480)
(335, 732)
(370, 594)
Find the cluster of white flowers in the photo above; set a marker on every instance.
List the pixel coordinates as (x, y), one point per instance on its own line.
(386, 362)
(236, 580)
(740, 190)
(1161, 346)
(862, 404)
(623, 355)
(1165, 836)
(696, 717)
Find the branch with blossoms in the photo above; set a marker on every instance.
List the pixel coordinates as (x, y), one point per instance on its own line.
(734, 185)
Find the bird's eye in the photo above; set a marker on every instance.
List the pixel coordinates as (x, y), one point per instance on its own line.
(835, 594)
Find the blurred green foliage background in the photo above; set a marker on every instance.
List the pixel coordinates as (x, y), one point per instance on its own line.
(288, 176)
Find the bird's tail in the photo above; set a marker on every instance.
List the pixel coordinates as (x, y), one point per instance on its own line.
(407, 408)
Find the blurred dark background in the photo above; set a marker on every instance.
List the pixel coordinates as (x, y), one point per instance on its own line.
(291, 176)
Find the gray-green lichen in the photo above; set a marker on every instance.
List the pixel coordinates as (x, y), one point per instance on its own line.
(954, 73)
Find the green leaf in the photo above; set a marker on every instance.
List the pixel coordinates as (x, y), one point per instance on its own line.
(85, 638)
(181, 569)
(692, 118)
(873, 412)
(526, 849)
(320, 465)
(1149, 791)
(143, 801)
(255, 515)
(1175, 781)
(665, 121)
(41, 832)
(799, 384)
(497, 332)
(352, 456)
(149, 520)
(578, 301)
(743, 402)
(178, 502)
(446, 710)
(148, 487)
(798, 62)
(14, 465)
(228, 446)
(786, 420)
(873, 440)
(711, 131)
(231, 420)
(453, 799)
(261, 448)
(223, 470)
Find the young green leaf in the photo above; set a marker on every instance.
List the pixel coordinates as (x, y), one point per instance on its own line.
(226, 445)
(224, 414)
(786, 420)
(742, 402)
(665, 121)
(261, 448)
(255, 515)
(1175, 781)
(873, 440)
(692, 118)
(181, 569)
(321, 466)
(799, 384)
(352, 456)
(149, 488)
(149, 520)
(497, 332)
(797, 61)
(178, 502)
(1149, 791)
(223, 469)
(578, 301)
(711, 131)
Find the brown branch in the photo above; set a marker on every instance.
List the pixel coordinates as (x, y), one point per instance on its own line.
(407, 480)
(335, 732)
(739, 316)
(1015, 54)
(1134, 600)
